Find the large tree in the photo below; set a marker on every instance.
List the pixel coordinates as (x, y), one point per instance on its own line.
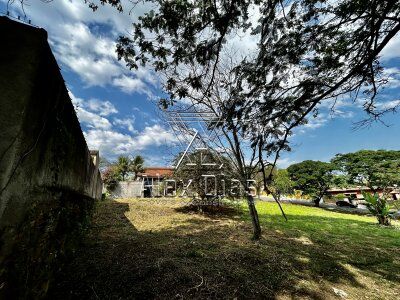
(308, 51)
(245, 143)
(312, 177)
(376, 169)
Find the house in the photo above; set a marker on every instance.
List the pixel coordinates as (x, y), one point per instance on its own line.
(356, 192)
(152, 179)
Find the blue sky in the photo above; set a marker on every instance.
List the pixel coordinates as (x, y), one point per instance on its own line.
(116, 106)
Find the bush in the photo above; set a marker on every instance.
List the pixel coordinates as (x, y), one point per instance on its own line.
(110, 178)
(379, 207)
(340, 197)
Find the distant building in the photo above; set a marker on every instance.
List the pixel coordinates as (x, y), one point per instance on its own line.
(152, 179)
(356, 192)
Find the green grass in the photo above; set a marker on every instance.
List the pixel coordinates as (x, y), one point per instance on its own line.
(330, 227)
(158, 249)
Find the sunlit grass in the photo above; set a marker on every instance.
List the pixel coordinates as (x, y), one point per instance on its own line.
(155, 249)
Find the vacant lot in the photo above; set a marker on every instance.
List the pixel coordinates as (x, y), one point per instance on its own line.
(156, 249)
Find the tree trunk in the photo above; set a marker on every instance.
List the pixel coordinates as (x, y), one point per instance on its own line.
(316, 202)
(384, 220)
(254, 217)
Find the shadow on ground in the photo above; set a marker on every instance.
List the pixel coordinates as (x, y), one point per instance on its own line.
(203, 257)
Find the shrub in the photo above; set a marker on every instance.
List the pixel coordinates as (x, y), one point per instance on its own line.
(340, 197)
(379, 207)
(110, 178)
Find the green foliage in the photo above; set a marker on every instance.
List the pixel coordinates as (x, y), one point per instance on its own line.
(110, 177)
(340, 181)
(340, 196)
(125, 165)
(259, 178)
(329, 48)
(281, 184)
(312, 177)
(375, 169)
(379, 207)
(136, 165)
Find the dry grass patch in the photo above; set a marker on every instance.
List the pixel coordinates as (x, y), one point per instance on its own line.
(161, 249)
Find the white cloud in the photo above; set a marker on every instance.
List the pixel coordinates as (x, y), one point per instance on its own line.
(393, 77)
(392, 49)
(92, 112)
(130, 85)
(283, 163)
(388, 104)
(104, 108)
(84, 41)
(105, 136)
(126, 123)
(112, 143)
(155, 135)
(92, 120)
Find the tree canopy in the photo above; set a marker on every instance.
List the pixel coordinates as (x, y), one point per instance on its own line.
(308, 52)
(312, 177)
(126, 165)
(375, 169)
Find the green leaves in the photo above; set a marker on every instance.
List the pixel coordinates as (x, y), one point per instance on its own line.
(312, 177)
(375, 169)
(378, 206)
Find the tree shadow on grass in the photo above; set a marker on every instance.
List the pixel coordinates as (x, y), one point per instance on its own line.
(197, 258)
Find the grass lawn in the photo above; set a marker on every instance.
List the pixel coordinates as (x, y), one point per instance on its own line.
(154, 249)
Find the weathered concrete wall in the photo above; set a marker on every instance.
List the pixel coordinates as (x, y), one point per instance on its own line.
(128, 189)
(48, 180)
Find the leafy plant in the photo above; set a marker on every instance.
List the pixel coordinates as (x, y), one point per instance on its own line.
(281, 184)
(379, 207)
(110, 177)
(340, 197)
(123, 166)
(136, 166)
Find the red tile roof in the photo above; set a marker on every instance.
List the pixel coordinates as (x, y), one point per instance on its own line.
(157, 171)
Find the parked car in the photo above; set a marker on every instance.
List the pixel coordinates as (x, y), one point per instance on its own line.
(346, 203)
(395, 215)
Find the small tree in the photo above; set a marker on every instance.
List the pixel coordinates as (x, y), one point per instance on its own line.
(312, 177)
(136, 166)
(123, 166)
(281, 184)
(110, 177)
(378, 207)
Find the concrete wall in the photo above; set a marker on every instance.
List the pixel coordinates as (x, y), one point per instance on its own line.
(128, 189)
(48, 180)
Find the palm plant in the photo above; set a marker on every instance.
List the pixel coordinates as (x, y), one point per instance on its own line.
(379, 207)
(123, 166)
(137, 165)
